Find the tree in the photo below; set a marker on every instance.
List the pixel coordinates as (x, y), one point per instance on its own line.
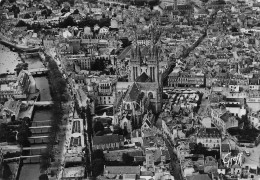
(204, 1)
(98, 154)
(2, 2)
(66, 5)
(43, 177)
(21, 66)
(27, 16)
(97, 167)
(27, 120)
(244, 119)
(42, 6)
(21, 23)
(45, 160)
(89, 118)
(109, 122)
(125, 132)
(118, 131)
(7, 171)
(64, 10)
(99, 65)
(49, 11)
(127, 159)
(199, 149)
(5, 132)
(76, 11)
(67, 22)
(98, 126)
(15, 9)
(23, 134)
(93, 1)
(11, 138)
(104, 22)
(44, 12)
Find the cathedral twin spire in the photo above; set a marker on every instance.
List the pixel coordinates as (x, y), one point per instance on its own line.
(150, 54)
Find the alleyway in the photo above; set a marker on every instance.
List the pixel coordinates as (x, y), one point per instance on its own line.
(175, 165)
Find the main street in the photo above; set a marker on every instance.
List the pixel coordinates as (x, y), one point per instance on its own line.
(175, 165)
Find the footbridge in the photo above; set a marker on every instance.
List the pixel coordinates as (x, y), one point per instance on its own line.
(38, 103)
(6, 41)
(38, 71)
(25, 159)
(39, 139)
(43, 103)
(36, 150)
(40, 129)
(29, 54)
(41, 123)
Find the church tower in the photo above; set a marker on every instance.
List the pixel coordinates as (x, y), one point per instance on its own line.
(144, 70)
(144, 59)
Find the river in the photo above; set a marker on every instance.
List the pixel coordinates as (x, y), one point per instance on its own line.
(34, 63)
(42, 84)
(32, 171)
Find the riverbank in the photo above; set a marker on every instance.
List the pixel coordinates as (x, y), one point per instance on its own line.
(43, 116)
(8, 60)
(58, 91)
(14, 46)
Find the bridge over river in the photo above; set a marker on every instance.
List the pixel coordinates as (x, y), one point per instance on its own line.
(7, 42)
(38, 103)
(26, 159)
(38, 71)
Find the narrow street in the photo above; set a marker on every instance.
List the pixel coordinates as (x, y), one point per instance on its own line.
(175, 168)
(175, 165)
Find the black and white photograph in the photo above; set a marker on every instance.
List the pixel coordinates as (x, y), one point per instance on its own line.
(129, 89)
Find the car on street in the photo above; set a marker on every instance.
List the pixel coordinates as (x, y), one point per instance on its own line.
(250, 146)
(246, 152)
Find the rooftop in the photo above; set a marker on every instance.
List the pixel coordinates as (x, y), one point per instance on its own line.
(114, 138)
(73, 172)
(133, 93)
(143, 78)
(8, 61)
(122, 170)
(209, 132)
(225, 117)
(199, 177)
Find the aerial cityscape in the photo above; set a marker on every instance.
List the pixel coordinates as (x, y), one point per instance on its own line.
(130, 90)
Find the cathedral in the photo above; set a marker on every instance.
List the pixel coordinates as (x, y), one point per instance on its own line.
(144, 72)
(144, 60)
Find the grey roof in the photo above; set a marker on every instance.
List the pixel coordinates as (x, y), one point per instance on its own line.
(199, 177)
(225, 148)
(209, 132)
(225, 117)
(123, 170)
(143, 78)
(114, 138)
(133, 93)
(148, 86)
(124, 53)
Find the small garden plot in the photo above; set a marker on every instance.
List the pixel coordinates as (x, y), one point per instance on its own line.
(75, 141)
(76, 127)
